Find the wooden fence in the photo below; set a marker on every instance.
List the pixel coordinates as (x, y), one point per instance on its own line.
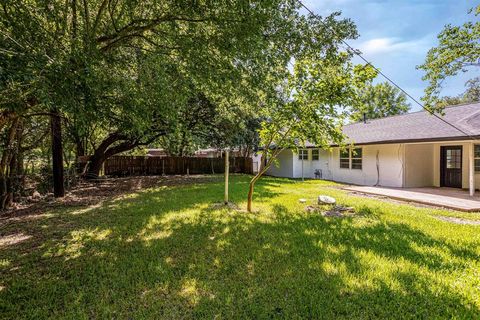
(130, 165)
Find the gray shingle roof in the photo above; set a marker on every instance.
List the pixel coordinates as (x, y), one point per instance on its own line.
(418, 126)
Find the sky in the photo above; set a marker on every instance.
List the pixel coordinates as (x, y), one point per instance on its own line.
(395, 35)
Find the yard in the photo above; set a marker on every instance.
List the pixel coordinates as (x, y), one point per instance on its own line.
(165, 252)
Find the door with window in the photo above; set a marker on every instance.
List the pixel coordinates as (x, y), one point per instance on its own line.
(451, 166)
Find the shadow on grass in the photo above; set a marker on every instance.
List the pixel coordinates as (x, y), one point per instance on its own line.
(161, 254)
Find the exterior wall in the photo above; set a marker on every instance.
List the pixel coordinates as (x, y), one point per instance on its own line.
(390, 166)
(256, 162)
(419, 165)
(284, 165)
(465, 163)
(399, 165)
(309, 166)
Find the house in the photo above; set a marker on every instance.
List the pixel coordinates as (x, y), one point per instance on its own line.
(156, 153)
(410, 150)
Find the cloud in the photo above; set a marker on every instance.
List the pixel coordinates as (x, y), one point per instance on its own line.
(377, 46)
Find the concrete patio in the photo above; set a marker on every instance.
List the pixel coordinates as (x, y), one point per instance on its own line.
(456, 199)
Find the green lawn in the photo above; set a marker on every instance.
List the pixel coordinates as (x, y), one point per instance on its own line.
(164, 253)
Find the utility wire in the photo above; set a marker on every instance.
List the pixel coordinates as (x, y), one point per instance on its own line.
(356, 52)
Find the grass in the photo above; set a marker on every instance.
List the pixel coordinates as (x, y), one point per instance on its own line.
(164, 253)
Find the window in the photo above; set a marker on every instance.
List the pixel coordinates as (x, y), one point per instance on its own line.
(345, 159)
(357, 158)
(315, 154)
(303, 154)
(351, 158)
(476, 155)
(454, 159)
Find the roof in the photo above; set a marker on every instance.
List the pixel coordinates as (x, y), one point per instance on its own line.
(418, 127)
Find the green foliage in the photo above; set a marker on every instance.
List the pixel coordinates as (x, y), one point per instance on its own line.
(378, 101)
(457, 51)
(471, 95)
(166, 253)
(126, 68)
(314, 104)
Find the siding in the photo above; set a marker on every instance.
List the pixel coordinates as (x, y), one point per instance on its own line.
(465, 164)
(309, 166)
(419, 164)
(400, 165)
(284, 165)
(390, 166)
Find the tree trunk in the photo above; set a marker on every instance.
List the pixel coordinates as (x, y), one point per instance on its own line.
(96, 163)
(227, 171)
(251, 187)
(105, 151)
(79, 148)
(57, 154)
(99, 156)
(5, 185)
(250, 194)
(257, 176)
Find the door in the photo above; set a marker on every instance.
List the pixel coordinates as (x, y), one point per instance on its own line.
(451, 166)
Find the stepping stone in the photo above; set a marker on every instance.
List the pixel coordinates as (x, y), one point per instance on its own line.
(326, 200)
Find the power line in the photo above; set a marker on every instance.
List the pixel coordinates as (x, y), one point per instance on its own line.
(356, 52)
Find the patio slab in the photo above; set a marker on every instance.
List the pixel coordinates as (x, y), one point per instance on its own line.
(450, 198)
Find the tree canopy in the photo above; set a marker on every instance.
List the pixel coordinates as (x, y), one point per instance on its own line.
(378, 101)
(458, 51)
(470, 95)
(109, 76)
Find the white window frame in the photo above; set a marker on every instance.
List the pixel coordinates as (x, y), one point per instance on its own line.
(343, 158)
(476, 158)
(350, 158)
(303, 154)
(355, 157)
(318, 154)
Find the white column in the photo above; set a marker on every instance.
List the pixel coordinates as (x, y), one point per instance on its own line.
(471, 170)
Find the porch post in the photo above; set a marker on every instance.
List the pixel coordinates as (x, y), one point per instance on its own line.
(471, 170)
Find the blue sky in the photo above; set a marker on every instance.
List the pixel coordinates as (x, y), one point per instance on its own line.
(395, 35)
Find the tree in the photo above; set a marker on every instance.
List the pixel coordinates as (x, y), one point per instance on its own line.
(87, 63)
(194, 120)
(380, 100)
(457, 51)
(471, 94)
(311, 106)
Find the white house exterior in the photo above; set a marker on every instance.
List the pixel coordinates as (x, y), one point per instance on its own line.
(411, 150)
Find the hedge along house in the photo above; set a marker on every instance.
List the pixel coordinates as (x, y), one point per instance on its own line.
(411, 150)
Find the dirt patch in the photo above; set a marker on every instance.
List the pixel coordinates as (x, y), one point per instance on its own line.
(459, 220)
(337, 211)
(222, 205)
(91, 193)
